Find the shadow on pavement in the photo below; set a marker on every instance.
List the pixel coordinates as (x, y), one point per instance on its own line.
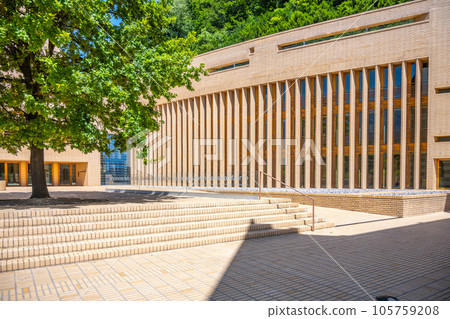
(410, 263)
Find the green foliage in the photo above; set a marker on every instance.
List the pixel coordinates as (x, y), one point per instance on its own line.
(68, 76)
(219, 23)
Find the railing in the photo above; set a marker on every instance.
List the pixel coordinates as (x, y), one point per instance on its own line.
(290, 187)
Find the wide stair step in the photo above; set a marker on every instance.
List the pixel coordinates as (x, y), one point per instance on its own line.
(39, 238)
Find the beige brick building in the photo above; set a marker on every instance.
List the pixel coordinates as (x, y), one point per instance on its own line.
(71, 167)
(371, 91)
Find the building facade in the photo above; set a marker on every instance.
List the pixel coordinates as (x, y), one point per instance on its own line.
(357, 102)
(69, 168)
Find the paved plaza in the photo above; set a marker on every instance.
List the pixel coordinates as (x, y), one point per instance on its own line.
(405, 257)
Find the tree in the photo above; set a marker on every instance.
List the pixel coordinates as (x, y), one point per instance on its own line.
(69, 77)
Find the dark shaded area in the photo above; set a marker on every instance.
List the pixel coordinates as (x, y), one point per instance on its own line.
(75, 199)
(410, 263)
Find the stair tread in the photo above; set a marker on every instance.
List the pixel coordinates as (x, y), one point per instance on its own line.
(294, 223)
(150, 219)
(239, 208)
(253, 233)
(299, 215)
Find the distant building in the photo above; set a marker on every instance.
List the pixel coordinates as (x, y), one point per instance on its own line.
(115, 168)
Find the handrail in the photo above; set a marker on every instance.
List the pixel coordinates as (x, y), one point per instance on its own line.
(295, 190)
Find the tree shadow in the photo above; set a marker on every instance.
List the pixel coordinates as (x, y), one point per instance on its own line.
(79, 199)
(410, 263)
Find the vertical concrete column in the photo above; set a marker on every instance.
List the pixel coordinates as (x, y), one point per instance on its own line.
(190, 122)
(252, 137)
(329, 163)
(152, 142)
(179, 114)
(160, 150)
(278, 131)
(352, 149)
(341, 131)
(403, 127)
(260, 125)
(244, 125)
(163, 162)
(288, 168)
(208, 150)
(156, 150)
(364, 128)
(196, 150)
(185, 143)
(219, 139)
(237, 136)
(23, 174)
(318, 135)
(269, 134)
(390, 133)
(377, 133)
(173, 144)
(56, 177)
(229, 143)
(307, 161)
(417, 128)
(297, 132)
(201, 142)
(166, 144)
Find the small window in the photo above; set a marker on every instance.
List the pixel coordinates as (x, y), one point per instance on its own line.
(251, 50)
(443, 90)
(442, 138)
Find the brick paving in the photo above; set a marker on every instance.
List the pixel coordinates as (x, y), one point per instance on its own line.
(408, 258)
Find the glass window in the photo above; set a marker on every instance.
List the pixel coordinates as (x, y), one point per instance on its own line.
(370, 167)
(324, 172)
(444, 174)
(64, 174)
(346, 171)
(371, 127)
(411, 169)
(48, 174)
(2, 171)
(371, 85)
(303, 94)
(397, 124)
(396, 171)
(347, 88)
(324, 130)
(385, 126)
(74, 174)
(384, 169)
(347, 128)
(423, 170)
(424, 123)
(425, 79)
(283, 96)
(397, 82)
(13, 173)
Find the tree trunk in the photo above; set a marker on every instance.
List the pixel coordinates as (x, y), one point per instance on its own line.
(38, 182)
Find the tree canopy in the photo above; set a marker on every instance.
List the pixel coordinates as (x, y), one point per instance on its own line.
(70, 77)
(219, 23)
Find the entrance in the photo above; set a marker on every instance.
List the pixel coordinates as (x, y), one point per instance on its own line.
(443, 174)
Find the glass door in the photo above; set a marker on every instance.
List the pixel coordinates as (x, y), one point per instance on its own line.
(13, 174)
(2, 171)
(48, 174)
(444, 173)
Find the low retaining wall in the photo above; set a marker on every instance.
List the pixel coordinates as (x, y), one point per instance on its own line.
(398, 206)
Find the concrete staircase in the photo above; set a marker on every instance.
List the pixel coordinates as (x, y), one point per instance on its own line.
(36, 238)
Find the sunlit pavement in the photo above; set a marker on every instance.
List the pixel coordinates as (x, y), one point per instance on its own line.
(405, 257)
